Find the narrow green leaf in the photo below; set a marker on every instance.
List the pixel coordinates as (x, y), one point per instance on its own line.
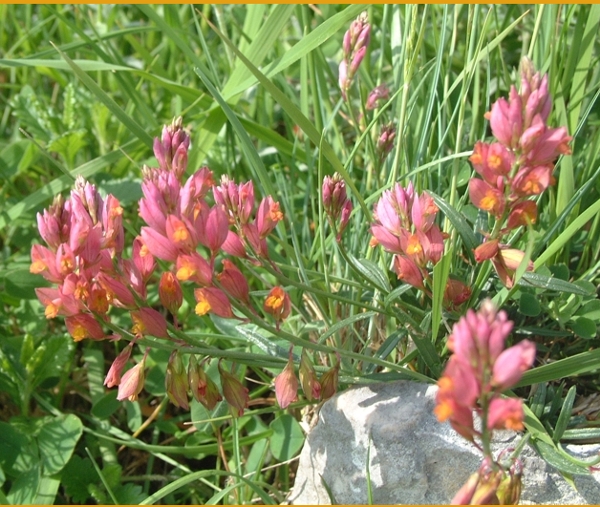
(460, 224)
(540, 281)
(345, 323)
(567, 234)
(565, 415)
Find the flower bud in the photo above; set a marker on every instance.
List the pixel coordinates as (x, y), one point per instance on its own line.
(329, 380)
(132, 382)
(308, 378)
(286, 383)
(234, 392)
(169, 292)
(113, 377)
(203, 388)
(176, 381)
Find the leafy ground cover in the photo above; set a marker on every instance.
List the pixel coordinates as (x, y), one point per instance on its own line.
(263, 98)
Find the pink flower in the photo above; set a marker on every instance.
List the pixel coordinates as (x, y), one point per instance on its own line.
(522, 214)
(158, 245)
(83, 326)
(213, 229)
(505, 413)
(267, 216)
(113, 377)
(149, 321)
(277, 304)
(486, 198)
(408, 271)
(195, 268)
(237, 200)
(234, 282)
(512, 363)
(336, 204)
(213, 300)
(506, 119)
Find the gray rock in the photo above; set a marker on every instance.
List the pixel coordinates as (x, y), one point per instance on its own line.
(413, 459)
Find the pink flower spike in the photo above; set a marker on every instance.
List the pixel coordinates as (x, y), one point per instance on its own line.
(512, 363)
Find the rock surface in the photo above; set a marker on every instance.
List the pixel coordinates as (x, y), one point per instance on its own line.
(413, 459)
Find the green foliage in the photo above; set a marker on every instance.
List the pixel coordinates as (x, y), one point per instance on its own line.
(257, 88)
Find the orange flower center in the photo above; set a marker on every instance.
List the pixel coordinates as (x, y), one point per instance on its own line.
(79, 333)
(203, 306)
(414, 246)
(489, 201)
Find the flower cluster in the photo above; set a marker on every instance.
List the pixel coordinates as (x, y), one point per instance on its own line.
(84, 258)
(356, 40)
(517, 167)
(479, 370)
(181, 223)
(286, 383)
(405, 226)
